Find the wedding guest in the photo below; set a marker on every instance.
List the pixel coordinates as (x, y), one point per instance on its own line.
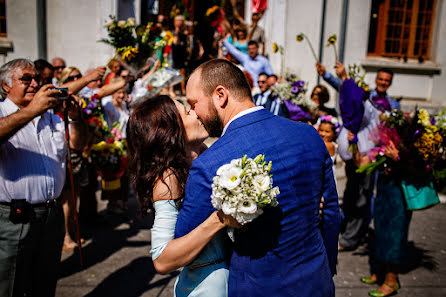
(179, 50)
(114, 66)
(117, 116)
(321, 96)
(272, 80)
(45, 71)
(240, 40)
(32, 166)
(328, 126)
(58, 65)
(253, 63)
(255, 32)
(266, 99)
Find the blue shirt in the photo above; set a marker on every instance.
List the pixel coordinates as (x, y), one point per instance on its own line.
(253, 66)
(32, 161)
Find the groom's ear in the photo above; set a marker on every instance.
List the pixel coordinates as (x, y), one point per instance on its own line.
(220, 96)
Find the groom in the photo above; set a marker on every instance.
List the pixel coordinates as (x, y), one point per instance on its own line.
(289, 250)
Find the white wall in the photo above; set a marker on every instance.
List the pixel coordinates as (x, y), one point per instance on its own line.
(73, 29)
(22, 28)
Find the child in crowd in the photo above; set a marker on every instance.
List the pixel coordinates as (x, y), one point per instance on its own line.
(114, 66)
(328, 127)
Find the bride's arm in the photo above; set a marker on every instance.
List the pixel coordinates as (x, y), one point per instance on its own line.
(181, 251)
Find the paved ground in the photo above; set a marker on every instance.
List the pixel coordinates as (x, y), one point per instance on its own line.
(117, 261)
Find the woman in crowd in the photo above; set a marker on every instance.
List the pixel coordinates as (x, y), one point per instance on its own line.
(240, 40)
(164, 138)
(117, 115)
(114, 66)
(391, 220)
(321, 96)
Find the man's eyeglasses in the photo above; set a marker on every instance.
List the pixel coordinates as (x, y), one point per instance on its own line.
(27, 79)
(72, 78)
(58, 67)
(261, 81)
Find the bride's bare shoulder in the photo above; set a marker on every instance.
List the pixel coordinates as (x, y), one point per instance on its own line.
(166, 188)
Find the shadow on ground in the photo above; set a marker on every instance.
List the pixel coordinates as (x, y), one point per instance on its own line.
(107, 239)
(131, 280)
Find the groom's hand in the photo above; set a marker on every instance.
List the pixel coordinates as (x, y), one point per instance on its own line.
(228, 220)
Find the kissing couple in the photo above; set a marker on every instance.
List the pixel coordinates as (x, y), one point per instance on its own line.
(289, 250)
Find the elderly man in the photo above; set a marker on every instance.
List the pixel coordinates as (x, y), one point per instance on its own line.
(253, 63)
(58, 65)
(32, 175)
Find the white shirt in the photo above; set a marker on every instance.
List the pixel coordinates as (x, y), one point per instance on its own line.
(118, 116)
(32, 161)
(239, 115)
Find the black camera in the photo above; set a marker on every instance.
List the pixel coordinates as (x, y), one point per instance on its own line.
(63, 94)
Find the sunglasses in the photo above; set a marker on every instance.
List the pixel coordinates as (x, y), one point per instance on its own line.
(27, 79)
(58, 67)
(261, 81)
(72, 78)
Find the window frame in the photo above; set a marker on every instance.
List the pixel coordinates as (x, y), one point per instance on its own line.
(381, 32)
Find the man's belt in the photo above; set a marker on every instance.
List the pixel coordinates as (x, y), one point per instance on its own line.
(47, 204)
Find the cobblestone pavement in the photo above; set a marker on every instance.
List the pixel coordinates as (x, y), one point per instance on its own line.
(117, 260)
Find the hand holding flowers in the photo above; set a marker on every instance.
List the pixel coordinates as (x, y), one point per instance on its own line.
(243, 187)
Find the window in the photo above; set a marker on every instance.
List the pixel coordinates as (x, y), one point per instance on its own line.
(3, 18)
(401, 28)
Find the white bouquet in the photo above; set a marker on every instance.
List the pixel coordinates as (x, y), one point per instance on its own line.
(243, 187)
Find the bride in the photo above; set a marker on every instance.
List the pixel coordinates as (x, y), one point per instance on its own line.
(163, 140)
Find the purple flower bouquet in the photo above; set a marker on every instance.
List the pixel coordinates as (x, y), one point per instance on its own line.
(352, 108)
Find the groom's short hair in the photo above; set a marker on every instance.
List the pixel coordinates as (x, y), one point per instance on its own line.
(222, 72)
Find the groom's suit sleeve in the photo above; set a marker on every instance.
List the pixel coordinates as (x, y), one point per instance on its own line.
(197, 205)
(331, 216)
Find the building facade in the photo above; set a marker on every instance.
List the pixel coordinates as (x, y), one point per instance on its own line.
(404, 35)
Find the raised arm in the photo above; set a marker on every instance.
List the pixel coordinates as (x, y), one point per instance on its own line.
(328, 77)
(168, 253)
(235, 52)
(75, 86)
(42, 101)
(109, 89)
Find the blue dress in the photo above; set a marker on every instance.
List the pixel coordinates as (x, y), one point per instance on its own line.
(208, 274)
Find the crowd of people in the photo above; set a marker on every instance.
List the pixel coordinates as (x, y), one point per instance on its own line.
(164, 138)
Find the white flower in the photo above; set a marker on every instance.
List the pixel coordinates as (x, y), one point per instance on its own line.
(230, 177)
(223, 168)
(247, 206)
(244, 218)
(261, 182)
(227, 208)
(121, 24)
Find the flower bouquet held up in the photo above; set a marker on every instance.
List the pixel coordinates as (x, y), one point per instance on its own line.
(292, 92)
(352, 109)
(243, 188)
(134, 43)
(354, 73)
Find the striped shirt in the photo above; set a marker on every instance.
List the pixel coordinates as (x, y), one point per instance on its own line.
(32, 161)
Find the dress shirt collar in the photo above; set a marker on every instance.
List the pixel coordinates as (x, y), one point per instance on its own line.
(239, 115)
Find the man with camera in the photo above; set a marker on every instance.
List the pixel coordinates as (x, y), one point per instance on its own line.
(32, 175)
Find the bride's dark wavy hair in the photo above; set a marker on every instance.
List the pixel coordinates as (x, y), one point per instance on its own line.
(157, 143)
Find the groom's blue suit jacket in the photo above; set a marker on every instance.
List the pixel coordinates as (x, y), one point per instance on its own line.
(289, 250)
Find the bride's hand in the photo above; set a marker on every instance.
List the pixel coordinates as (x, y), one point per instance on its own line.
(228, 220)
